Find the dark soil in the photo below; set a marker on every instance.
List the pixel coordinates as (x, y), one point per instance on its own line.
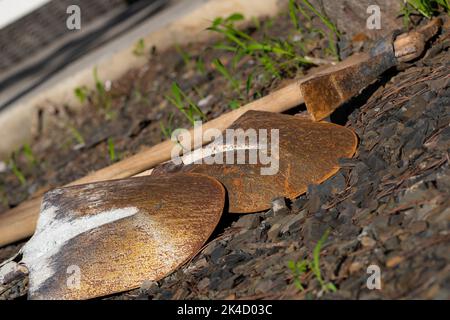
(388, 206)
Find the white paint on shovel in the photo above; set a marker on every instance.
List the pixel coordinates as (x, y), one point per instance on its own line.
(52, 234)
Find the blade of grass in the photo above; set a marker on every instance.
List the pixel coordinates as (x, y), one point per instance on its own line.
(16, 171)
(139, 48)
(221, 68)
(330, 25)
(76, 134)
(167, 130)
(184, 104)
(248, 84)
(29, 154)
(81, 93)
(293, 14)
(184, 55)
(111, 150)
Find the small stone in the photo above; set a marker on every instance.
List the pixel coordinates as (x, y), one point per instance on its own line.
(367, 242)
(217, 277)
(274, 232)
(3, 167)
(396, 219)
(247, 222)
(166, 295)
(279, 206)
(299, 203)
(394, 261)
(418, 226)
(293, 224)
(391, 243)
(313, 231)
(380, 222)
(349, 231)
(205, 101)
(264, 286)
(217, 253)
(201, 263)
(203, 284)
(314, 203)
(355, 267)
(196, 267)
(209, 248)
(148, 285)
(234, 258)
(11, 271)
(230, 282)
(339, 183)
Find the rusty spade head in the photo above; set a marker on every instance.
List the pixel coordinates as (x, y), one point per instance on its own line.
(308, 153)
(105, 237)
(326, 90)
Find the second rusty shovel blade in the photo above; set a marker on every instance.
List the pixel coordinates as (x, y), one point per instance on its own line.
(308, 153)
(105, 237)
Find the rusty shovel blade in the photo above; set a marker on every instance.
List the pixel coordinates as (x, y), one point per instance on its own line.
(106, 237)
(308, 153)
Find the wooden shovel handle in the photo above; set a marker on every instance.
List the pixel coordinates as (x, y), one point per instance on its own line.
(20, 222)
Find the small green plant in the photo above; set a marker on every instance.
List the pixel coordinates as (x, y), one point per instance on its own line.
(104, 100)
(427, 8)
(256, 23)
(221, 68)
(270, 53)
(226, 27)
(76, 134)
(293, 9)
(167, 130)
(29, 155)
(81, 93)
(139, 48)
(234, 104)
(99, 85)
(325, 20)
(184, 104)
(111, 150)
(200, 65)
(16, 171)
(299, 268)
(248, 84)
(302, 8)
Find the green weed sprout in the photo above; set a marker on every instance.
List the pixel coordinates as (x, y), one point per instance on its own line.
(184, 104)
(298, 268)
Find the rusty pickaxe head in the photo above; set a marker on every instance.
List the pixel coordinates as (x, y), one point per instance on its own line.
(325, 91)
